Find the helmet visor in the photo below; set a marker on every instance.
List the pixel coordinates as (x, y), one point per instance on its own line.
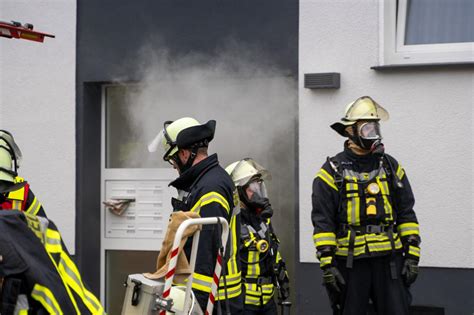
(257, 187)
(370, 130)
(246, 170)
(163, 143)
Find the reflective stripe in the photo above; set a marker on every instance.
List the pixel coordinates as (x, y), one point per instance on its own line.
(400, 172)
(53, 241)
(253, 267)
(385, 193)
(209, 198)
(325, 261)
(255, 293)
(326, 238)
(46, 298)
(232, 263)
(353, 201)
(413, 250)
(18, 194)
(411, 228)
(73, 279)
(34, 207)
(204, 282)
(23, 312)
(327, 178)
(231, 292)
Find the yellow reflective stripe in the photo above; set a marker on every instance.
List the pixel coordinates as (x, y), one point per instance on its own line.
(384, 246)
(204, 282)
(209, 198)
(69, 271)
(353, 201)
(385, 193)
(232, 263)
(253, 267)
(413, 250)
(231, 292)
(34, 207)
(46, 298)
(278, 257)
(16, 205)
(23, 312)
(325, 261)
(400, 172)
(253, 293)
(53, 241)
(327, 178)
(411, 228)
(18, 194)
(326, 238)
(343, 251)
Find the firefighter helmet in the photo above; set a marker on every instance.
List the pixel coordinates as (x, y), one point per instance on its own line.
(182, 134)
(242, 172)
(10, 157)
(363, 108)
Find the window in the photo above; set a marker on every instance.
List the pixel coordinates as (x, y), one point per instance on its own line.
(427, 31)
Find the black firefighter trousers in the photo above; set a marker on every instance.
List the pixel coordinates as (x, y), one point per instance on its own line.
(371, 279)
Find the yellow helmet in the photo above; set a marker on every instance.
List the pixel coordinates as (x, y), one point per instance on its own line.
(245, 170)
(10, 156)
(182, 133)
(363, 108)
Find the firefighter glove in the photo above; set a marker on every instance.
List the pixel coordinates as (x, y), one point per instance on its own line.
(410, 271)
(332, 279)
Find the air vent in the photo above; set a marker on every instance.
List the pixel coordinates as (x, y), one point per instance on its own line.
(330, 80)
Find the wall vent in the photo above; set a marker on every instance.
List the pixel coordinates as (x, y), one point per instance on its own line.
(330, 80)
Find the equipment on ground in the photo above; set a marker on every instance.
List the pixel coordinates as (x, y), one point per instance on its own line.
(145, 297)
(25, 31)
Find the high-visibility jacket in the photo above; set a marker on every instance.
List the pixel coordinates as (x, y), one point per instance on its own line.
(257, 266)
(207, 189)
(23, 199)
(33, 252)
(362, 207)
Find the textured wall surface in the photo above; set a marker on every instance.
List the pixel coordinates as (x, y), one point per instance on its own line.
(37, 103)
(429, 132)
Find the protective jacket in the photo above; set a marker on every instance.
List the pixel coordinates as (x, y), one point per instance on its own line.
(208, 190)
(362, 207)
(22, 199)
(258, 266)
(39, 276)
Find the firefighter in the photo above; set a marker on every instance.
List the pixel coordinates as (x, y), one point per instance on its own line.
(15, 192)
(205, 188)
(365, 229)
(263, 268)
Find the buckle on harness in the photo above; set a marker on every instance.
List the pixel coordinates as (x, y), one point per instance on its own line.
(369, 229)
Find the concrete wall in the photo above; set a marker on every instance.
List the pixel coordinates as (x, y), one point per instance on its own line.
(37, 103)
(429, 132)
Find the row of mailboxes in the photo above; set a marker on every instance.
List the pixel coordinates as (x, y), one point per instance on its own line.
(147, 213)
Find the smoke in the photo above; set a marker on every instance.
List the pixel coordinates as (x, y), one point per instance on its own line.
(252, 100)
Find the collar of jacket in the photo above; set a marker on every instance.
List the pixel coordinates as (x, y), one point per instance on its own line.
(186, 180)
(356, 157)
(250, 217)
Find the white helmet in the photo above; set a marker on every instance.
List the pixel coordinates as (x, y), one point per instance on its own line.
(181, 134)
(243, 171)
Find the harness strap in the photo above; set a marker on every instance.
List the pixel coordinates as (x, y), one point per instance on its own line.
(350, 253)
(393, 269)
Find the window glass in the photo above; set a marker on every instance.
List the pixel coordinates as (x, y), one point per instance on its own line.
(439, 22)
(126, 145)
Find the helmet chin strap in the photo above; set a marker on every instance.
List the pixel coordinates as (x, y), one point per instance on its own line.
(183, 167)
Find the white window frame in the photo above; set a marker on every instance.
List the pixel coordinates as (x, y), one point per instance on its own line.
(393, 51)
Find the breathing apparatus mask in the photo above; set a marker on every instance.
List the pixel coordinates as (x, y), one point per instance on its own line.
(367, 135)
(258, 200)
(248, 176)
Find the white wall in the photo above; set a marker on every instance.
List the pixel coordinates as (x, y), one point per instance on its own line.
(430, 130)
(37, 103)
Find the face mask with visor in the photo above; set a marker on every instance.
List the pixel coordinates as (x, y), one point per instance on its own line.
(369, 136)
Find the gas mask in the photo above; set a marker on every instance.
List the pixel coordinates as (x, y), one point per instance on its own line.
(259, 199)
(367, 135)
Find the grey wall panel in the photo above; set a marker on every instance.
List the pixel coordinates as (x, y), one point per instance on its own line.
(450, 289)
